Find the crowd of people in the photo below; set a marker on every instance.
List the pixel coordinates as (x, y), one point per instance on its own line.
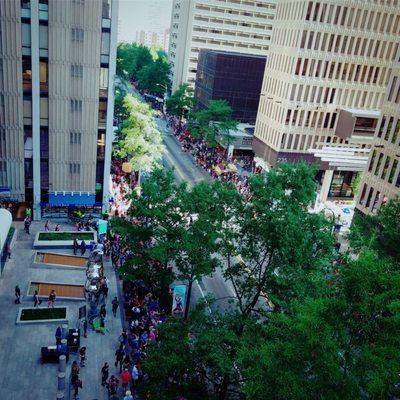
(214, 160)
(121, 187)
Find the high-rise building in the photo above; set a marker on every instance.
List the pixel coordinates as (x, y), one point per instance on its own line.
(381, 179)
(242, 26)
(230, 76)
(153, 38)
(57, 65)
(325, 80)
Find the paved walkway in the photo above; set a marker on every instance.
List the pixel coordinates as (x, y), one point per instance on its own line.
(22, 376)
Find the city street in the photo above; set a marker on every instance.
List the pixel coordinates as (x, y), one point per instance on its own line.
(186, 170)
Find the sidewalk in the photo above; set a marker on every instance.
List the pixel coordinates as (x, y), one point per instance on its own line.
(22, 376)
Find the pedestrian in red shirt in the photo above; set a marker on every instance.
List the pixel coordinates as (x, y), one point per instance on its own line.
(125, 379)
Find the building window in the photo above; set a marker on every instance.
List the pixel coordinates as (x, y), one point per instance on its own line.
(75, 137)
(385, 168)
(74, 168)
(371, 163)
(378, 164)
(3, 173)
(76, 105)
(393, 171)
(77, 71)
(77, 34)
(27, 74)
(43, 75)
(383, 121)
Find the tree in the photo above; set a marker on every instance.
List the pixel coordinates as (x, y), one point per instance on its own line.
(131, 58)
(275, 250)
(154, 77)
(198, 240)
(181, 101)
(213, 123)
(169, 365)
(142, 141)
(339, 346)
(120, 112)
(379, 232)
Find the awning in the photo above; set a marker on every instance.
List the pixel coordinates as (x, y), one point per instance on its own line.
(71, 198)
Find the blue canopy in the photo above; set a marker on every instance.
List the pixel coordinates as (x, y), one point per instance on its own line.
(71, 198)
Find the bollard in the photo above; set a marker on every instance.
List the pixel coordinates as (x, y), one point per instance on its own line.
(60, 395)
(61, 381)
(62, 365)
(64, 328)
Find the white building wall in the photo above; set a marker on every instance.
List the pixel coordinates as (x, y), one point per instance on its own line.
(242, 26)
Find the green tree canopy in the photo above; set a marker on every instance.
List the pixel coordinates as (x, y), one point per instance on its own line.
(275, 250)
(131, 58)
(213, 123)
(154, 77)
(181, 101)
(142, 141)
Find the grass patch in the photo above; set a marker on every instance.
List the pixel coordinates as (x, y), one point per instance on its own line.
(66, 236)
(37, 314)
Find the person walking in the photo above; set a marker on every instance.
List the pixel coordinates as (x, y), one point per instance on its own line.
(119, 356)
(103, 311)
(115, 304)
(52, 299)
(113, 386)
(47, 226)
(17, 295)
(74, 371)
(76, 384)
(58, 335)
(27, 224)
(128, 395)
(8, 249)
(36, 299)
(104, 374)
(75, 246)
(82, 356)
(85, 328)
(135, 376)
(57, 228)
(125, 379)
(83, 247)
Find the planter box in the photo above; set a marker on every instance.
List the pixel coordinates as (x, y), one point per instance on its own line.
(64, 291)
(62, 239)
(31, 315)
(46, 259)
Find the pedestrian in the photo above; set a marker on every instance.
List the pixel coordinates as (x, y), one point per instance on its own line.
(104, 374)
(113, 386)
(8, 249)
(76, 384)
(47, 226)
(82, 356)
(27, 224)
(125, 379)
(58, 335)
(74, 371)
(52, 299)
(17, 295)
(119, 356)
(103, 311)
(85, 328)
(83, 247)
(128, 395)
(57, 228)
(36, 299)
(126, 364)
(135, 376)
(115, 304)
(75, 246)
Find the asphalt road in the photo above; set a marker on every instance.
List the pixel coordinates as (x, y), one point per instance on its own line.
(186, 170)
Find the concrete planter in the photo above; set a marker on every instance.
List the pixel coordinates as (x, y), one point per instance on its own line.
(39, 260)
(42, 243)
(32, 286)
(40, 321)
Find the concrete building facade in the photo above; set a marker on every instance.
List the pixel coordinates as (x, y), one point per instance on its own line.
(324, 84)
(153, 38)
(242, 26)
(57, 100)
(381, 179)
